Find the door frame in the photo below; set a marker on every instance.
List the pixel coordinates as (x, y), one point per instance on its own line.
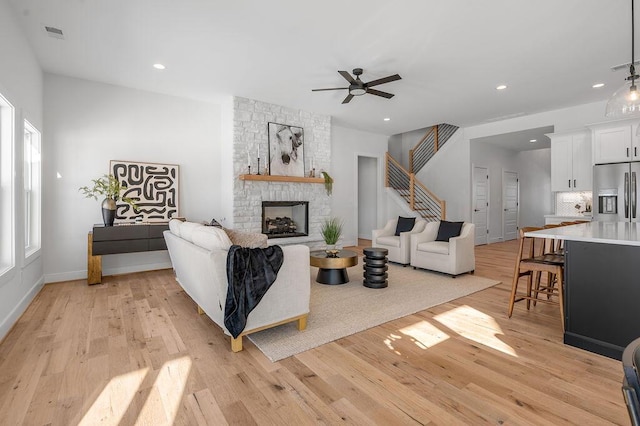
(504, 171)
(473, 195)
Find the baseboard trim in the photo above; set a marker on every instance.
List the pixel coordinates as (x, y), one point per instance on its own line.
(82, 275)
(10, 320)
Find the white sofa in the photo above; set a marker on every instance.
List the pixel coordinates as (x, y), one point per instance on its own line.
(399, 246)
(454, 257)
(199, 257)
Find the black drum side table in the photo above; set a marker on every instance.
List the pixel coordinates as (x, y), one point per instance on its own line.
(375, 267)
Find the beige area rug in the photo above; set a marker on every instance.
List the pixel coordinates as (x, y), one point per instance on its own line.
(342, 310)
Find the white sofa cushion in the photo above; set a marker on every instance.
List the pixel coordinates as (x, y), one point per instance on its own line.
(440, 247)
(174, 226)
(392, 241)
(187, 228)
(210, 238)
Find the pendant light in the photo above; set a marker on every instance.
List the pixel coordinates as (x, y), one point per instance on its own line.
(625, 101)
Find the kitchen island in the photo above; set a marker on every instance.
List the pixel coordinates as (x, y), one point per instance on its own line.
(602, 284)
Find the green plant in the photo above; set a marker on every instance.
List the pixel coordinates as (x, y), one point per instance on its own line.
(331, 230)
(328, 182)
(109, 187)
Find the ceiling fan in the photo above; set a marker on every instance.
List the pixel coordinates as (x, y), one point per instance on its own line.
(358, 88)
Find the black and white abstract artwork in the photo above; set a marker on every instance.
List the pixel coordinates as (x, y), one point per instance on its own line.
(154, 188)
(286, 150)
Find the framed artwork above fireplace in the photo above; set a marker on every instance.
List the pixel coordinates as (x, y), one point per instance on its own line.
(286, 150)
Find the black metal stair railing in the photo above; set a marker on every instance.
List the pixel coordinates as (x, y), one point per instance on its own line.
(433, 140)
(419, 198)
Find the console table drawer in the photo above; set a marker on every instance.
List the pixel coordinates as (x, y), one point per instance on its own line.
(128, 232)
(155, 231)
(157, 244)
(120, 246)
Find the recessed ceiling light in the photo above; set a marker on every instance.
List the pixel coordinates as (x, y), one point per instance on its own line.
(386, 119)
(501, 87)
(159, 66)
(533, 140)
(597, 85)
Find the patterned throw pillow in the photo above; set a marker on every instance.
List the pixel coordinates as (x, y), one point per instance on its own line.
(215, 223)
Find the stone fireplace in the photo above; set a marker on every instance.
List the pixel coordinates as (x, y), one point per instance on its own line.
(281, 219)
(250, 139)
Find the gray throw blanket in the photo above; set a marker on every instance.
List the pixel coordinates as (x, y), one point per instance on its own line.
(250, 273)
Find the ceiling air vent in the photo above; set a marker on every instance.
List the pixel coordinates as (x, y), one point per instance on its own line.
(54, 32)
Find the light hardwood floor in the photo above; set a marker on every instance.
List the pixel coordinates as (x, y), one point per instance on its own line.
(134, 350)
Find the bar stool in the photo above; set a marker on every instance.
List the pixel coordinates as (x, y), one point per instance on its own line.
(532, 267)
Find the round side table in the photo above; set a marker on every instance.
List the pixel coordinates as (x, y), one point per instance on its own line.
(333, 270)
(375, 267)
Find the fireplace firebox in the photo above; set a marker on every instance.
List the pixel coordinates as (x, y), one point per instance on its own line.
(282, 219)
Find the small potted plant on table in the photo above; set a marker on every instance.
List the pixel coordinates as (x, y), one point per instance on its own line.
(331, 230)
(109, 187)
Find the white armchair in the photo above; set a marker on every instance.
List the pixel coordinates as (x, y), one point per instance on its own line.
(398, 246)
(454, 257)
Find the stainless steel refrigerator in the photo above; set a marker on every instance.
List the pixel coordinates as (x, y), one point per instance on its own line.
(615, 192)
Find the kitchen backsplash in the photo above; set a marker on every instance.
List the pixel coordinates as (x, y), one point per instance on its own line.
(573, 203)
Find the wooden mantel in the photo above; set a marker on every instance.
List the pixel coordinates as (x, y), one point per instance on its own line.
(271, 178)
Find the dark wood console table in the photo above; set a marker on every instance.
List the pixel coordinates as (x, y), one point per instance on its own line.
(121, 239)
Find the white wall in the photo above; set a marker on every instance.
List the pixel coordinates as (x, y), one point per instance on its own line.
(367, 196)
(21, 84)
(87, 124)
(346, 145)
(448, 176)
(536, 198)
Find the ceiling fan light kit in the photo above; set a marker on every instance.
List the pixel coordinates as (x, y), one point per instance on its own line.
(626, 100)
(358, 88)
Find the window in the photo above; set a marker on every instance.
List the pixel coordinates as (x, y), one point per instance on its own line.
(32, 186)
(7, 258)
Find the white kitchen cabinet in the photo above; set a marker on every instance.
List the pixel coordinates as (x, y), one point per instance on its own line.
(571, 165)
(615, 142)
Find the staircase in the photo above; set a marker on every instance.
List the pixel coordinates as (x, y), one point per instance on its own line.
(431, 142)
(419, 199)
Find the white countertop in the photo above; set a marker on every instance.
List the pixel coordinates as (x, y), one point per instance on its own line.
(574, 217)
(623, 233)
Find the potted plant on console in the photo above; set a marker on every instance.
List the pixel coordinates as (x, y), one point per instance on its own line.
(109, 187)
(331, 230)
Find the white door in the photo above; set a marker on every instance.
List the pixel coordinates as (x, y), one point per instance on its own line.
(481, 203)
(510, 205)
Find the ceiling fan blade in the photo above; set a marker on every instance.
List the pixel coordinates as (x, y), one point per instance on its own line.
(335, 88)
(384, 80)
(380, 93)
(347, 76)
(348, 99)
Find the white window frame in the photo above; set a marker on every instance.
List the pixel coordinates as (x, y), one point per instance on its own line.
(7, 193)
(32, 190)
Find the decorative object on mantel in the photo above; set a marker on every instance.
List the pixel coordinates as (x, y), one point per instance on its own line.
(109, 187)
(331, 230)
(625, 102)
(155, 186)
(286, 150)
(328, 182)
